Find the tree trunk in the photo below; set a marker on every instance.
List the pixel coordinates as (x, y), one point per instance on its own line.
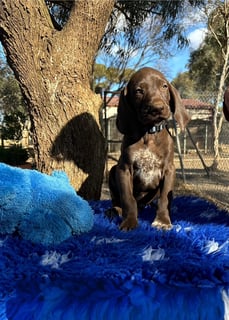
(217, 124)
(54, 71)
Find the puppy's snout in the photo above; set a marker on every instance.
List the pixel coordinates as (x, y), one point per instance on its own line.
(158, 108)
(152, 109)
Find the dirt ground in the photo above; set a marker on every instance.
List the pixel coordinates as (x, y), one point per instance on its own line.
(213, 187)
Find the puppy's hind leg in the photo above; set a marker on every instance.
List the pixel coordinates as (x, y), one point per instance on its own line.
(115, 196)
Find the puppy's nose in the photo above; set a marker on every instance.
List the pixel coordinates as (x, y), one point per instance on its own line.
(156, 108)
(157, 104)
(159, 107)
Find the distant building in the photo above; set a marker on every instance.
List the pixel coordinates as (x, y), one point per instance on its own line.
(200, 126)
(199, 110)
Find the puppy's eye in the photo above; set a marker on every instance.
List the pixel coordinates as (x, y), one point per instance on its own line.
(139, 91)
(165, 86)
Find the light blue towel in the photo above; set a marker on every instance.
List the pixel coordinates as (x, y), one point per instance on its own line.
(41, 208)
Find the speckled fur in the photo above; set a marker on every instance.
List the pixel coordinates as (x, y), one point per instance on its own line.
(147, 168)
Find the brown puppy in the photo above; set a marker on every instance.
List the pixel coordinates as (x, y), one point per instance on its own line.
(145, 169)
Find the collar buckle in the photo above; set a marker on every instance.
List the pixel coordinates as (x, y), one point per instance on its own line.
(158, 127)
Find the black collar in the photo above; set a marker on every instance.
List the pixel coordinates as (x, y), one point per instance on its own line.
(158, 127)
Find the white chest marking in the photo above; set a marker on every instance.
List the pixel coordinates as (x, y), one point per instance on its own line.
(147, 167)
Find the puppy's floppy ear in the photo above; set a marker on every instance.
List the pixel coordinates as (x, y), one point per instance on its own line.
(126, 121)
(180, 114)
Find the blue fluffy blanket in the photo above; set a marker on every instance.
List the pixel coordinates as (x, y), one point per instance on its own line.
(41, 208)
(109, 274)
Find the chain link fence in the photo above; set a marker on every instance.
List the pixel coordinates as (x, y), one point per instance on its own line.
(194, 158)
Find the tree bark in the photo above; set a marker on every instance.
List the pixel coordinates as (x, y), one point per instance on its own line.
(217, 123)
(54, 71)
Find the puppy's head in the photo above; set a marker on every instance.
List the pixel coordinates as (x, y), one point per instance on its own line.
(147, 100)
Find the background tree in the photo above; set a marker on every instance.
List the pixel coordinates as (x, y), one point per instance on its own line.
(205, 65)
(12, 126)
(107, 77)
(126, 56)
(219, 27)
(12, 107)
(51, 48)
(185, 85)
(208, 66)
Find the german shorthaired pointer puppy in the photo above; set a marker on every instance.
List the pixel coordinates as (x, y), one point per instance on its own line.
(145, 170)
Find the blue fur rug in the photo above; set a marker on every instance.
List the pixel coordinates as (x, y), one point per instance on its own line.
(41, 208)
(108, 274)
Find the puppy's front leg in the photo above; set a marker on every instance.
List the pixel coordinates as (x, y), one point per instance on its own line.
(127, 200)
(162, 219)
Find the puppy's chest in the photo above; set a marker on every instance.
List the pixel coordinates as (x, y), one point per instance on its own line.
(147, 167)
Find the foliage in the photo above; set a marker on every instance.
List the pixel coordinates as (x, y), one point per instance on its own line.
(137, 12)
(59, 11)
(12, 106)
(209, 66)
(206, 63)
(12, 125)
(14, 155)
(105, 77)
(185, 85)
(125, 56)
(133, 15)
(10, 93)
(4, 74)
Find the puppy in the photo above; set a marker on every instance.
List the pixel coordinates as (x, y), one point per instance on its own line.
(145, 169)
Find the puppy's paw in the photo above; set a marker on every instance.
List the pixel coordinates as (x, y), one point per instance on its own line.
(161, 225)
(113, 212)
(129, 224)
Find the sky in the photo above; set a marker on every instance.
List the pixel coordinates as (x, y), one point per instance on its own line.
(178, 63)
(2, 56)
